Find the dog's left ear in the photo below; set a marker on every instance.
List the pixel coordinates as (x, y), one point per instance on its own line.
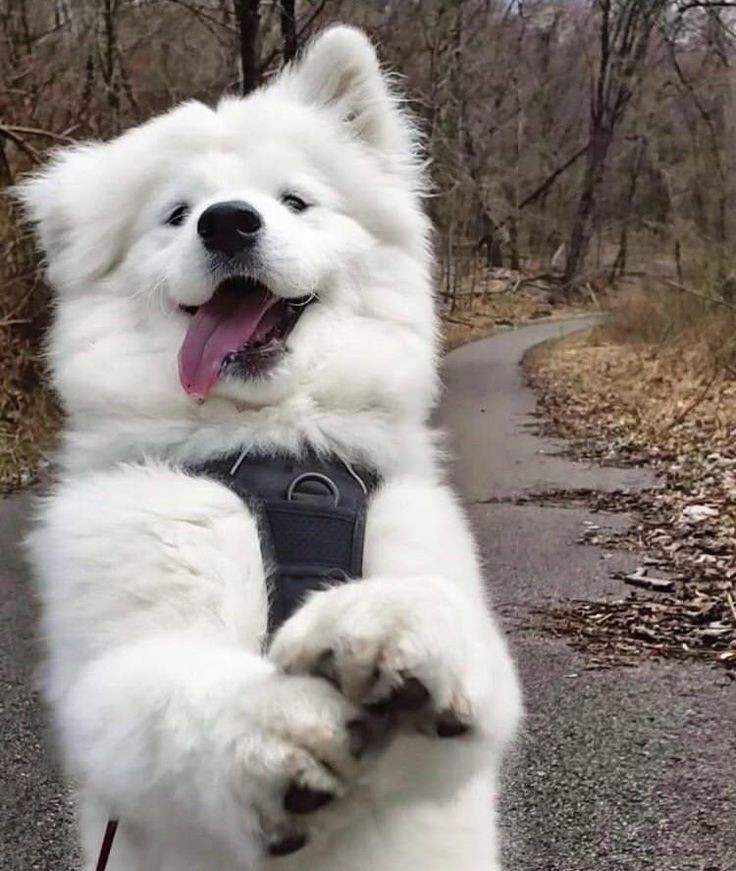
(340, 70)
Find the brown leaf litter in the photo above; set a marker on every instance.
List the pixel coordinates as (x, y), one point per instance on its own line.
(623, 405)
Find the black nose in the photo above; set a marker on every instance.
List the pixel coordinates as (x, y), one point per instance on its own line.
(229, 228)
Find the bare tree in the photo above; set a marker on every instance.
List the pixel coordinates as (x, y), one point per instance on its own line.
(520, 162)
(624, 31)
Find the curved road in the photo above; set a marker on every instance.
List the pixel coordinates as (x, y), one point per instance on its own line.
(622, 770)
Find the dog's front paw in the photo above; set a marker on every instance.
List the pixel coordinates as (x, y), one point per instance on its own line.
(300, 753)
(401, 648)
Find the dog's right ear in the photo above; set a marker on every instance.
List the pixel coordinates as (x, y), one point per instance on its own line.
(64, 201)
(42, 196)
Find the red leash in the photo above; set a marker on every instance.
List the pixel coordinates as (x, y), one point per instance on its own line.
(102, 859)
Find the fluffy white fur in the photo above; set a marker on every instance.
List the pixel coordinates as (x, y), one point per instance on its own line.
(153, 588)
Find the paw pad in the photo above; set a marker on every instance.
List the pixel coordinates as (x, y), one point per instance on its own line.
(409, 695)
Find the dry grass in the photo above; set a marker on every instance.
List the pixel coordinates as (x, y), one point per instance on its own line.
(487, 314)
(28, 414)
(659, 375)
(663, 317)
(663, 398)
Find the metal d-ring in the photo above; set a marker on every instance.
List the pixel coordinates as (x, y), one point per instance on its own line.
(313, 476)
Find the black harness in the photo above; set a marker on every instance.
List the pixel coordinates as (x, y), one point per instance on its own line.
(311, 512)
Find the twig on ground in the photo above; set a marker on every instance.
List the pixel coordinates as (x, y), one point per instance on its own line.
(691, 406)
(465, 323)
(639, 578)
(729, 599)
(21, 144)
(12, 322)
(37, 131)
(591, 292)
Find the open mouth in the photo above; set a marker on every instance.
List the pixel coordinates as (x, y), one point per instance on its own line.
(241, 331)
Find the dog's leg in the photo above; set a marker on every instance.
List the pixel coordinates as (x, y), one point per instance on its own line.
(417, 640)
(192, 743)
(154, 608)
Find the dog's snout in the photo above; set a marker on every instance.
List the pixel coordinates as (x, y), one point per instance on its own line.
(229, 228)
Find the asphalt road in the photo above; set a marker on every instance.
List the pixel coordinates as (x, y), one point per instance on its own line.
(622, 770)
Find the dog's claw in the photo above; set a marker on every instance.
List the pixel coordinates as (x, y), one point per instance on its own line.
(303, 800)
(449, 725)
(288, 844)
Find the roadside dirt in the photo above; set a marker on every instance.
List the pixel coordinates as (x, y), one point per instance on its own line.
(504, 298)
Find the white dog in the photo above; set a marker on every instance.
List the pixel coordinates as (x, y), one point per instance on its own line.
(275, 247)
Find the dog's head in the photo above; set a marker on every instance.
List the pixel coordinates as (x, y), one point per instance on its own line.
(269, 246)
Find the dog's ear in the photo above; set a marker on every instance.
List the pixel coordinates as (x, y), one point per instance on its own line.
(62, 200)
(340, 70)
(40, 197)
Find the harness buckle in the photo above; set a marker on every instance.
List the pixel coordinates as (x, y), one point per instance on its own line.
(293, 494)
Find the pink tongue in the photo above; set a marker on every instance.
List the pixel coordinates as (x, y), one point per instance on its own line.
(219, 328)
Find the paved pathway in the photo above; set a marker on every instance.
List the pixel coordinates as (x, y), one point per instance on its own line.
(624, 770)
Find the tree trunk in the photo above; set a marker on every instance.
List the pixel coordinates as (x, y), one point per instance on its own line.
(288, 30)
(247, 14)
(109, 14)
(621, 261)
(580, 235)
(514, 243)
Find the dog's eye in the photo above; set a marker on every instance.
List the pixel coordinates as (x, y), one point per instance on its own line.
(295, 203)
(178, 215)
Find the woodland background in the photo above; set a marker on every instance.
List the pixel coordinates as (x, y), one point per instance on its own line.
(583, 143)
